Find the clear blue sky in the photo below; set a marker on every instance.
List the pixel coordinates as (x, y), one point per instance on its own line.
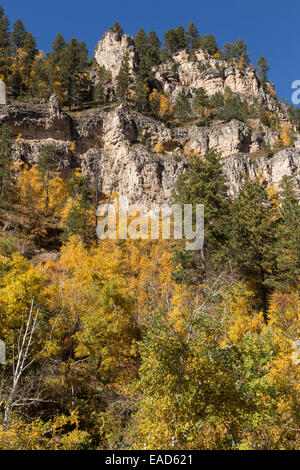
(269, 27)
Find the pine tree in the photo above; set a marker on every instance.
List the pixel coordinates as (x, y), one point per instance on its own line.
(193, 36)
(140, 42)
(79, 220)
(5, 46)
(182, 41)
(18, 35)
(16, 84)
(208, 44)
(55, 60)
(201, 99)
(123, 78)
(253, 240)
(228, 51)
(141, 94)
(116, 28)
(141, 45)
(74, 63)
(204, 183)
(288, 237)
(47, 167)
(153, 48)
(234, 108)
(175, 40)
(240, 51)
(6, 149)
(263, 68)
(182, 107)
(30, 52)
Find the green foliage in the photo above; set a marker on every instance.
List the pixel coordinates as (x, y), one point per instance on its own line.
(201, 99)
(175, 40)
(217, 100)
(204, 183)
(234, 108)
(208, 43)
(236, 51)
(48, 164)
(18, 35)
(6, 150)
(116, 28)
(141, 96)
(182, 108)
(123, 78)
(193, 36)
(288, 236)
(263, 68)
(254, 237)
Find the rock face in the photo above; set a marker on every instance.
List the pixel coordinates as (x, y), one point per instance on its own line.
(111, 50)
(116, 148)
(240, 168)
(183, 74)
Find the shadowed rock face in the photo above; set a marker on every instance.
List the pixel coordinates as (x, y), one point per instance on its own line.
(116, 148)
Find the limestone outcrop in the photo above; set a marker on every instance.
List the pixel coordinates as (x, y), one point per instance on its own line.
(111, 49)
(117, 147)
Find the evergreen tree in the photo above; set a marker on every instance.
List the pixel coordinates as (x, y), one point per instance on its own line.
(79, 220)
(55, 59)
(58, 46)
(240, 51)
(234, 108)
(217, 101)
(182, 41)
(201, 99)
(30, 52)
(6, 149)
(74, 63)
(16, 84)
(153, 48)
(193, 36)
(5, 46)
(18, 35)
(116, 28)
(123, 78)
(253, 240)
(182, 107)
(228, 51)
(141, 45)
(141, 96)
(99, 93)
(47, 167)
(208, 43)
(175, 40)
(204, 183)
(263, 68)
(104, 77)
(288, 237)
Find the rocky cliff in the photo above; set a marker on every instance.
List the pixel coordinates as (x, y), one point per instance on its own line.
(118, 146)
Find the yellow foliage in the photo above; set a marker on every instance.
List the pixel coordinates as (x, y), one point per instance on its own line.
(72, 146)
(187, 149)
(160, 103)
(285, 136)
(242, 63)
(272, 91)
(159, 148)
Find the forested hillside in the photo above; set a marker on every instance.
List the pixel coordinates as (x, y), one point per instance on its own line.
(140, 344)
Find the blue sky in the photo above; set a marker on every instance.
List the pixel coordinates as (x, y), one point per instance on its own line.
(269, 27)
